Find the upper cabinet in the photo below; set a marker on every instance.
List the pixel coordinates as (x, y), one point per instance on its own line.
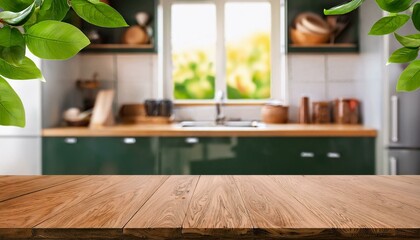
(309, 30)
(136, 38)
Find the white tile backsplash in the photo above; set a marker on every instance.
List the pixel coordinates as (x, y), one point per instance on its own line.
(315, 91)
(103, 64)
(344, 67)
(135, 68)
(208, 113)
(135, 74)
(342, 90)
(321, 77)
(306, 68)
(133, 92)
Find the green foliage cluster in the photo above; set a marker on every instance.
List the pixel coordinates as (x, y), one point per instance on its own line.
(400, 13)
(37, 25)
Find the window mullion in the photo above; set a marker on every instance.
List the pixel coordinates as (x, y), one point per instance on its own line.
(276, 63)
(220, 83)
(167, 86)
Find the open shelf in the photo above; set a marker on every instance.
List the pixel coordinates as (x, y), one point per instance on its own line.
(337, 47)
(111, 37)
(346, 42)
(110, 47)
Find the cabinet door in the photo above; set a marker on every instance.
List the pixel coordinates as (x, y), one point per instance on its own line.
(125, 156)
(98, 156)
(331, 156)
(193, 155)
(69, 155)
(305, 156)
(354, 156)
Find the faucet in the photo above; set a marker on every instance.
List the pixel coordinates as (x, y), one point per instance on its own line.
(220, 99)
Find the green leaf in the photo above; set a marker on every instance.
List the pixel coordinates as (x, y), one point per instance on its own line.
(404, 55)
(53, 10)
(33, 19)
(344, 8)
(389, 24)
(410, 78)
(12, 45)
(12, 112)
(25, 71)
(98, 13)
(17, 18)
(394, 6)
(416, 16)
(410, 41)
(55, 40)
(15, 5)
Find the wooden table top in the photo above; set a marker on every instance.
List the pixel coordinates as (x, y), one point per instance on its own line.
(210, 207)
(174, 130)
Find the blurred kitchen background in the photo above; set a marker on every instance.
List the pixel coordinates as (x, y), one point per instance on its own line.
(277, 54)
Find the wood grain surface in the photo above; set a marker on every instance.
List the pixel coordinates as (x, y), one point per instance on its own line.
(275, 211)
(11, 187)
(110, 210)
(210, 207)
(367, 214)
(23, 213)
(162, 216)
(174, 130)
(217, 209)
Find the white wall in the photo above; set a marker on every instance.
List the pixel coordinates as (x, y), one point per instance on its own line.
(20, 155)
(58, 93)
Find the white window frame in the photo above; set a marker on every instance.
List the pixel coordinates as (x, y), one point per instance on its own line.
(279, 88)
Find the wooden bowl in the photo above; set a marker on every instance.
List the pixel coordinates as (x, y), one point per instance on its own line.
(308, 39)
(80, 123)
(136, 35)
(275, 114)
(132, 110)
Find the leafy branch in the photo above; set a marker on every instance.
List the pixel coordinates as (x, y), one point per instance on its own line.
(400, 13)
(37, 25)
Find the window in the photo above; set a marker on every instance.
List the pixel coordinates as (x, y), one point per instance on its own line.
(229, 45)
(248, 50)
(193, 44)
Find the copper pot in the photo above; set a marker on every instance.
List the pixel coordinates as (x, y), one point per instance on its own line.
(347, 111)
(271, 113)
(321, 112)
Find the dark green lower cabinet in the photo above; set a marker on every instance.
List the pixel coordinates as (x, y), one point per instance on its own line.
(192, 155)
(209, 155)
(99, 156)
(292, 156)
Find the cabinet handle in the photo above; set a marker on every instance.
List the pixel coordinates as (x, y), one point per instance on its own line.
(70, 140)
(192, 140)
(307, 154)
(333, 155)
(129, 140)
(393, 170)
(394, 119)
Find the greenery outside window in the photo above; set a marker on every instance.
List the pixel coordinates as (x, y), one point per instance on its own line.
(229, 45)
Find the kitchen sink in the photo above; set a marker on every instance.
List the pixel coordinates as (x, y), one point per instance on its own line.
(238, 124)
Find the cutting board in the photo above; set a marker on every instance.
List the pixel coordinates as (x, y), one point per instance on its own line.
(102, 111)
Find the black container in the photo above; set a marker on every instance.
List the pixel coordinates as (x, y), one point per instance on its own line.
(152, 107)
(165, 108)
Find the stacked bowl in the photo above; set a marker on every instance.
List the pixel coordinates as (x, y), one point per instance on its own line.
(310, 29)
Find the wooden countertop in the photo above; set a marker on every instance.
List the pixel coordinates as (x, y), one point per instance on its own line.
(210, 207)
(174, 130)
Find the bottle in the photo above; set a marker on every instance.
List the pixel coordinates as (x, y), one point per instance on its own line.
(304, 117)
